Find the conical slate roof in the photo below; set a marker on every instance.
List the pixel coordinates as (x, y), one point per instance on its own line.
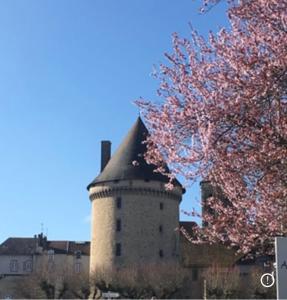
(121, 167)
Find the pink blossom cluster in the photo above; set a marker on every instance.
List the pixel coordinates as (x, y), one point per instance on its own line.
(223, 117)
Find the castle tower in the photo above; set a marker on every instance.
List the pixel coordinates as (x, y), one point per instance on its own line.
(133, 216)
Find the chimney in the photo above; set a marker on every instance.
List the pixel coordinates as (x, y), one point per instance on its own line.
(106, 153)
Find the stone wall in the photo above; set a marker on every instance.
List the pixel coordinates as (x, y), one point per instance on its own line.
(149, 216)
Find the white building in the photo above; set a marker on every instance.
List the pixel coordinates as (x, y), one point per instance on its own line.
(24, 256)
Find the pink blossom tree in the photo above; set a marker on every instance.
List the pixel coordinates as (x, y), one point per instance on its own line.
(223, 117)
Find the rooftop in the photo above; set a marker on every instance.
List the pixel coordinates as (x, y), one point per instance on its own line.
(132, 149)
(28, 246)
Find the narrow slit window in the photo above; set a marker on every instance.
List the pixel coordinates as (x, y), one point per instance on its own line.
(161, 206)
(119, 225)
(119, 202)
(160, 253)
(118, 249)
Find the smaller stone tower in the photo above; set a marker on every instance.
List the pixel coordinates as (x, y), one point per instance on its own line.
(206, 192)
(134, 218)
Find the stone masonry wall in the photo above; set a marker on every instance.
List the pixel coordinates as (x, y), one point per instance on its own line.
(149, 216)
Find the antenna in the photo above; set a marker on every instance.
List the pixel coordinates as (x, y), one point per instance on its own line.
(42, 227)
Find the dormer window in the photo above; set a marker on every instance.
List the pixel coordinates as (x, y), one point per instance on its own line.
(78, 254)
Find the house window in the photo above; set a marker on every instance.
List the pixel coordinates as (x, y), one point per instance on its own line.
(160, 228)
(27, 266)
(77, 267)
(118, 249)
(119, 202)
(119, 225)
(161, 206)
(14, 266)
(160, 253)
(50, 255)
(51, 266)
(78, 254)
(194, 275)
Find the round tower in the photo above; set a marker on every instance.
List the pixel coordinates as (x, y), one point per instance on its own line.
(134, 218)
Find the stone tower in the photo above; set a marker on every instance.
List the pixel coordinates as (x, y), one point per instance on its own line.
(210, 190)
(133, 216)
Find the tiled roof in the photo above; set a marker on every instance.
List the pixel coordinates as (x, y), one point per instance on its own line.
(18, 246)
(69, 247)
(60, 247)
(26, 246)
(84, 247)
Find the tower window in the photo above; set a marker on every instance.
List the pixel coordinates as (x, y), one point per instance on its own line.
(119, 225)
(118, 249)
(160, 253)
(160, 228)
(119, 202)
(161, 205)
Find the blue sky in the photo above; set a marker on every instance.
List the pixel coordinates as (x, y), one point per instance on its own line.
(69, 73)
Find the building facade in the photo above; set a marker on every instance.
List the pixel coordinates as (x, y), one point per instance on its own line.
(22, 256)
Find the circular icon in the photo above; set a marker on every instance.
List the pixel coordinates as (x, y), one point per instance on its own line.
(267, 279)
